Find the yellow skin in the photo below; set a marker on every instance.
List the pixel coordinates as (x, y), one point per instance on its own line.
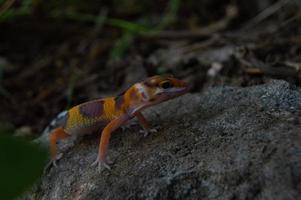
(110, 113)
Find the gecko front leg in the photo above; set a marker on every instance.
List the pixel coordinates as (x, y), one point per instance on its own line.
(143, 122)
(54, 136)
(104, 141)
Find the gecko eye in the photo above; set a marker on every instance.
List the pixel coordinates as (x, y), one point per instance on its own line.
(166, 84)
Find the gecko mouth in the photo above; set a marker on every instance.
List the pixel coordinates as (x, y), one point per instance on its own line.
(165, 96)
(184, 90)
(177, 92)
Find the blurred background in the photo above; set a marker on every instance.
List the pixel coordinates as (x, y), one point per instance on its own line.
(56, 54)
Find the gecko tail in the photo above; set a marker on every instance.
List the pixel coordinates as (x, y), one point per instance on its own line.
(58, 121)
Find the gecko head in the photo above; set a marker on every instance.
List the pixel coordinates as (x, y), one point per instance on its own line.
(157, 89)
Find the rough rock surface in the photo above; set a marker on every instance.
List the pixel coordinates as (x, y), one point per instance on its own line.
(226, 143)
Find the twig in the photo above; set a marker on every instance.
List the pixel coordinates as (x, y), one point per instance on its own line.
(231, 13)
(253, 66)
(266, 13)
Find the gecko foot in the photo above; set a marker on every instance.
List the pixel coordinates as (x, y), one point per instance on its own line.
(52, 162)
(147, 132)
(99, 163)
(58, 157)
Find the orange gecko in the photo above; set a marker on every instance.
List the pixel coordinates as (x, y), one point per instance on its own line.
(110, 113)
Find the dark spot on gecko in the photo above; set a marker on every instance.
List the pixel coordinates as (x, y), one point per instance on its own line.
(92, 109)
(119, 101)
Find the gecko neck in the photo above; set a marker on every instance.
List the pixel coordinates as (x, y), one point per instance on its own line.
(135, 99)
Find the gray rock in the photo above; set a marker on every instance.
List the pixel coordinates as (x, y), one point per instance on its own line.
(226, 143)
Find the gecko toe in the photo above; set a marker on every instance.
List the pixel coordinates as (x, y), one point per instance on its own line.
(99, 163)
(106, 165)
(54, 163)
(59, 156)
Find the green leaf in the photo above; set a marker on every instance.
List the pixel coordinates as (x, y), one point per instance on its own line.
(1, 2)
(127, 25)
(121, 45)
(11, 13)
(21, 164)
